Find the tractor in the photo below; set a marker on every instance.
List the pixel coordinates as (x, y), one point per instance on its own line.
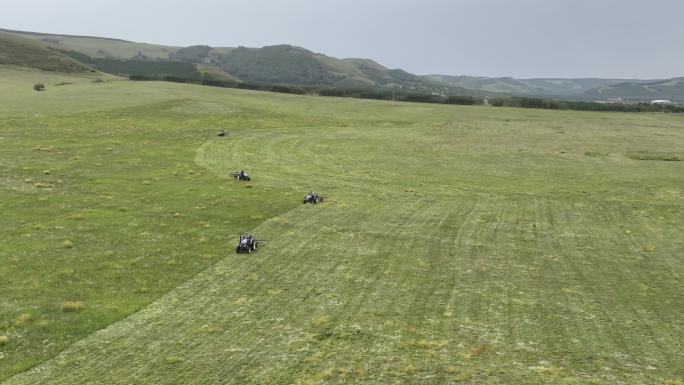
(241, 176)
(247, 244)
(313, 198)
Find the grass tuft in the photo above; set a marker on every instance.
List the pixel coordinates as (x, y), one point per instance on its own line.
(4, 340)
(67, 244)
(72, 307)
(321, 321)
(274, 292)
(450, 369)
(428, 344)
(656, 156)
(208, 330)
(23, 319)
(465, 375)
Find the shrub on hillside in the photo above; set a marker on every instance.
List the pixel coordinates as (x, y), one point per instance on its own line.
(39, 87)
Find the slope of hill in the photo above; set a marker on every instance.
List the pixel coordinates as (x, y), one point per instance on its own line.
(291, 65)
(552, 87)
(672, 89)
(26, 53)
(568, 87)
(143, 68)
(99, 47)
(497, 85)
(279, 64)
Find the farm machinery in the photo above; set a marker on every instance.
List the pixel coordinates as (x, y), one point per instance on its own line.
(241, 176)
(247, 244)
(313, 198)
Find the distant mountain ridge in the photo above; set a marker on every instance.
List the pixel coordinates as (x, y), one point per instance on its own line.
(549, 87)
(278, 64)
(295, 66)
(671, 89)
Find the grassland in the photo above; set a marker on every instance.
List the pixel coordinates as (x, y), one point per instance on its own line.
(26, 53)
(98, 47)
(457, 244)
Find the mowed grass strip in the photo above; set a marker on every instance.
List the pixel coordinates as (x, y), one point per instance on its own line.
(457, 245)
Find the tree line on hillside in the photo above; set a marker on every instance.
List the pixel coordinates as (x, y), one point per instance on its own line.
(184, 72)
(553, 104)
(384, 93)
(141, 69)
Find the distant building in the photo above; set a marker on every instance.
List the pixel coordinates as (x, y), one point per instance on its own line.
(611, 101)
(663, 101)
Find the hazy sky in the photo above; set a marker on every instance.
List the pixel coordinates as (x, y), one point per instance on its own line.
(519, 38)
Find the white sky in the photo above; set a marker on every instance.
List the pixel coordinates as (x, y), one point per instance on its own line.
(518, 38)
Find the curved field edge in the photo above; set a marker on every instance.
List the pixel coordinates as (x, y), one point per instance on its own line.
(463, 251)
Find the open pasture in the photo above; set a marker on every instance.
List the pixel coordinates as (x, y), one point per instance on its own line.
(466, 245)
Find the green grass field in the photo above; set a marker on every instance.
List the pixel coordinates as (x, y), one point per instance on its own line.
(468, 245)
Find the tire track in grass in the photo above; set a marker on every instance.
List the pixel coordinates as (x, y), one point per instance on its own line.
(614, 278)
(665, 256)
(456, 293)
(428, 250)
(548, 236)
(569, 286)
(619, 284)
(578, 301)
(436, 341)
(644, 306)
(375, 271)
(291, 360)
(307, 222)
(356, 305)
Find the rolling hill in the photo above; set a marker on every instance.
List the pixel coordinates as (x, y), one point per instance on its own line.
(581, 88)
(672, 89)
(98, 47)
(25, 53)
(296, 66)
(551, 87)
(278, 64)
